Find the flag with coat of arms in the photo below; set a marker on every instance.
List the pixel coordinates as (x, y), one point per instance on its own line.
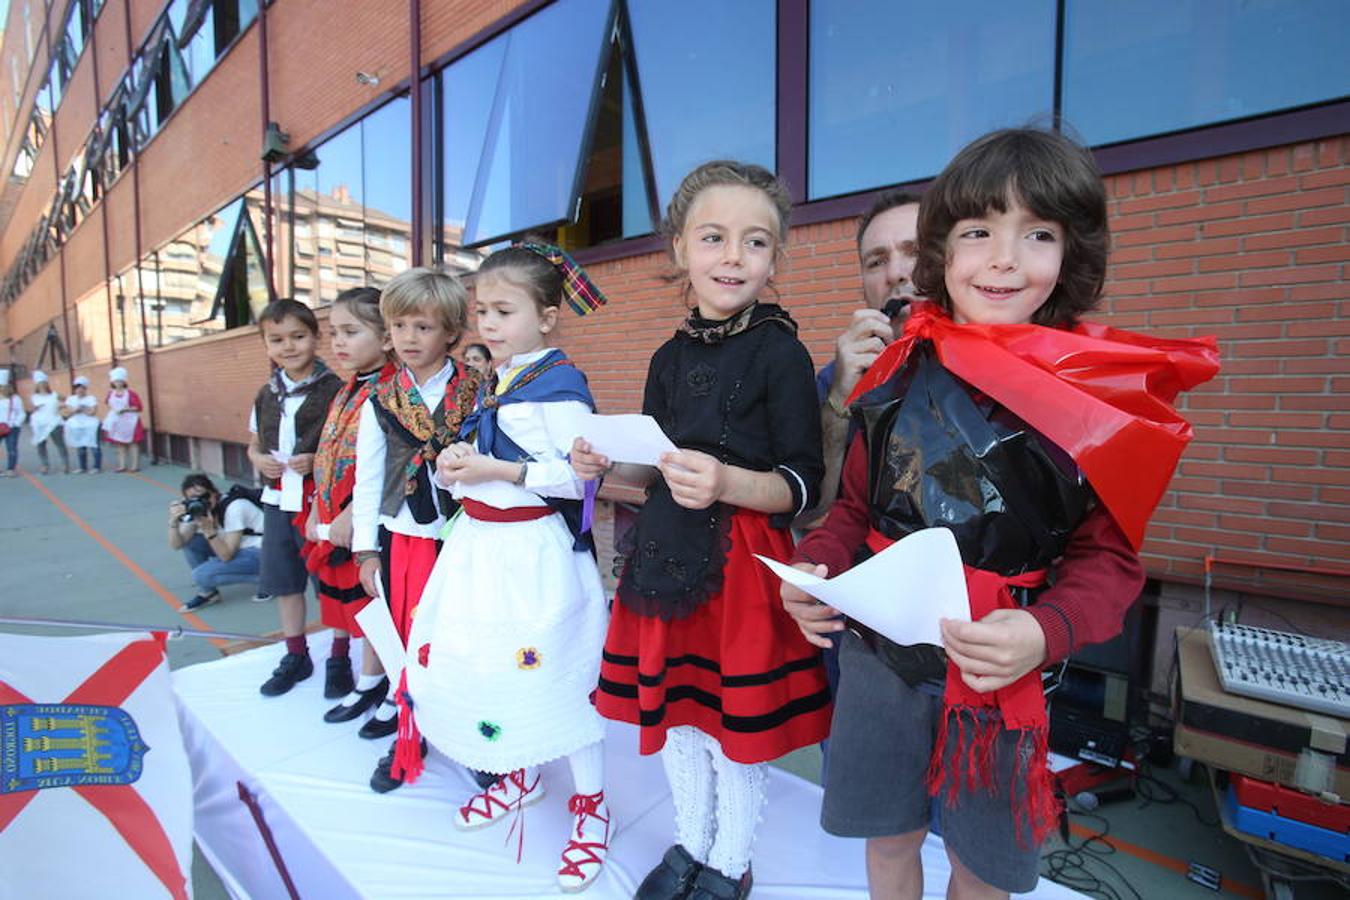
(95, 789)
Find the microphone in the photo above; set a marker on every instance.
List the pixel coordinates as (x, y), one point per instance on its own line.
(894, 307)
(1089, 800)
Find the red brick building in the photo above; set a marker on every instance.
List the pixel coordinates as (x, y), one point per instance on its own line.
(172, 165)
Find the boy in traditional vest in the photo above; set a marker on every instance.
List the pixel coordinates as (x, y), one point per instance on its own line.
(397, 512)
(288, 414)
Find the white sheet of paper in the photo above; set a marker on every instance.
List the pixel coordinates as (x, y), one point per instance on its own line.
(292, 490)
(378, 626)
(627, 438)
(901, 592)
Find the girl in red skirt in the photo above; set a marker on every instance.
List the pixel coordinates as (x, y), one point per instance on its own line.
(700, 654)
(361, 346)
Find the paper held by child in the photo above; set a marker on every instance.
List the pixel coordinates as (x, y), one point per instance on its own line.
(625, 438)
(901, 592)
(292, 483)
(378, 626)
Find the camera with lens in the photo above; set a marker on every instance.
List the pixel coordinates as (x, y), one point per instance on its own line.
(194, 508)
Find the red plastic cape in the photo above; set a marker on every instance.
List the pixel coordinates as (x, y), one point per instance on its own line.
(1101, 394)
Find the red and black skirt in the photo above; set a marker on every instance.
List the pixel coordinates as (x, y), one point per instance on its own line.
(737, 668)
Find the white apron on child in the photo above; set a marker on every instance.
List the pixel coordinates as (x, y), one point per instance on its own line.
(119, 423)
(45, 417)
(510, 628)
(82, 426)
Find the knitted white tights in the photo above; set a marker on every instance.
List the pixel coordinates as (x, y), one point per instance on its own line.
(690, 773)
(740, 798)
(717, 801)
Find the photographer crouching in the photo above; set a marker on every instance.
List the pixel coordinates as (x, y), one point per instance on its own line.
(220, 536)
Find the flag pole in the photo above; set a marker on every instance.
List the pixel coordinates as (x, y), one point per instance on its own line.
(173, 631)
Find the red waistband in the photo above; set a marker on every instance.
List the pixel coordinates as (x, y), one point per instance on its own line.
(484, 513)
(876, 542)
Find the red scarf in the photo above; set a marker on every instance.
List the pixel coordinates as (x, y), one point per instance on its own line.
(1102, 395)
(335, 459)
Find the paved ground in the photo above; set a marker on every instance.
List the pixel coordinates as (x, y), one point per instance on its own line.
(94, 548)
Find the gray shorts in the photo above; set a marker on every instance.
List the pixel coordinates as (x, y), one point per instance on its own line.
(282, 571)
(880, 743)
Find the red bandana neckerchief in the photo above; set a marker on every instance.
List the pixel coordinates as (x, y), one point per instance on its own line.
(335, 460)
(1102, 395)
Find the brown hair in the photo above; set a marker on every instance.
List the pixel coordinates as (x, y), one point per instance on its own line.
(727, 173)
(1053, 177)
(527, 270)
(427, 289)
(885, 202)
(277, 311)
(364, 304)
(723, 173)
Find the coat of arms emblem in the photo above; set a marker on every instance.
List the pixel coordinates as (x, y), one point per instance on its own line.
(49, 745)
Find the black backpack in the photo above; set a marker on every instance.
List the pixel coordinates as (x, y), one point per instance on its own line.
(240, 492)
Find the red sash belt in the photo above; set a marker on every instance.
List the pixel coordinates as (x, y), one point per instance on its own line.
(484, 513)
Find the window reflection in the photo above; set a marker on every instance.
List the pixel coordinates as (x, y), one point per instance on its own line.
(208, 279)
(513, 132)
(344, 209)
(895, 90)
(1213, 61)
(707, 74)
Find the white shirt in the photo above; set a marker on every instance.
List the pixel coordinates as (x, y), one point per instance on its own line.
(368, 489)
(46, 416)
(240, 515)
(14, 412)
(545, 432)
(285, 434)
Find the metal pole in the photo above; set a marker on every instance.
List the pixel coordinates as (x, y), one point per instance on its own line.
(174, 631)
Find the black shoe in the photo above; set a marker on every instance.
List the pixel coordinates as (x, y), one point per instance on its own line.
(382, 780)
(199, 601)
(294, 667)
(672, 878)
(713, 885)
(341, 713)
(377, 728)
(485, 780)
(337, 677)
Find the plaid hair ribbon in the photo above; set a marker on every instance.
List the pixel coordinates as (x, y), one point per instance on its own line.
(582, 294)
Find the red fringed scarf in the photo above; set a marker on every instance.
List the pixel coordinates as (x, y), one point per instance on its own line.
(1102, 395)
(335, 460)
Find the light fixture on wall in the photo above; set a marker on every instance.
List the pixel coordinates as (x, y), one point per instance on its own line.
(368, 79)
(274, 143)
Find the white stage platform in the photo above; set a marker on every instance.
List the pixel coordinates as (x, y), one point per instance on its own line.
(341, 840)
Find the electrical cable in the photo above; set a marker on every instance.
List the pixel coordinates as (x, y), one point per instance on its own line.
(1073, 866)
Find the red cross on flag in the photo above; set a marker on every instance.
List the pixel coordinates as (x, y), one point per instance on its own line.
(95, 789)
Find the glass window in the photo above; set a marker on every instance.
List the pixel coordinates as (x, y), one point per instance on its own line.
(1213, 60)
(196, 37)
(516, 111)
(894, 90)
(171, 83)
(340, 202)
(75, 32)
(386, 140)
(56, 83)
(706, 69)
(127, 303)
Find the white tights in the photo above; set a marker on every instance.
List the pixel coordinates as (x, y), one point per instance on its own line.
(588, 768)
(717, 801)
